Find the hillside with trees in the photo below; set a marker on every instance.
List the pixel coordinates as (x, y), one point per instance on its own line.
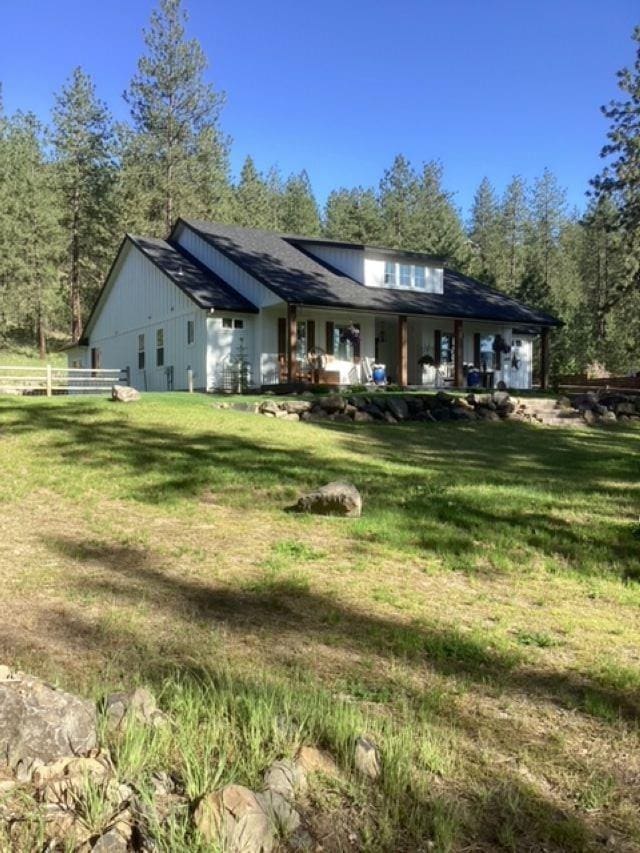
(69, 191)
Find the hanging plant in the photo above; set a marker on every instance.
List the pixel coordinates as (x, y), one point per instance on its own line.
(350, 335)
(500, 345)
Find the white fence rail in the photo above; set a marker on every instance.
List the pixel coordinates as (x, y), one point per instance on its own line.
(49, 381)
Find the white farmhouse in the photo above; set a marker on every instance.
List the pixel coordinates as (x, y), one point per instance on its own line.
(240, 307)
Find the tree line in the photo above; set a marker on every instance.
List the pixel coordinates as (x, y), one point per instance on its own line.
(70, 189)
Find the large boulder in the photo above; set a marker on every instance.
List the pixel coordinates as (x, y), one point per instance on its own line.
(40, 724)
(298, 407)
(337, 498)
(236, 820)
(398, 407)
(124, 394)
(332, 403)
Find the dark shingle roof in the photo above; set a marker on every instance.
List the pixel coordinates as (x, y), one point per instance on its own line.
(200, 284)
(298, 278)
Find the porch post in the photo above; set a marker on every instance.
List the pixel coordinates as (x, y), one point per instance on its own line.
(458, 354)
(292, 341)
(402, 350)
(544, 359)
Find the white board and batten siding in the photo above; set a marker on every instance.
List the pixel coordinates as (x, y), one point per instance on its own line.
(348, 261)
(141, 300)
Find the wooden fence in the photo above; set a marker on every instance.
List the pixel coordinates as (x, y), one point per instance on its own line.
(49, 381)
(579, 383)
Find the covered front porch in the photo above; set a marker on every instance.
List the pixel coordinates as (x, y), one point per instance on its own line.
(309, 346)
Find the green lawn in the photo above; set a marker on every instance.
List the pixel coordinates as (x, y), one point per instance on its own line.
(480, 621)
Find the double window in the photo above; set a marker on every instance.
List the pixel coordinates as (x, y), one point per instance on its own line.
(232, 323)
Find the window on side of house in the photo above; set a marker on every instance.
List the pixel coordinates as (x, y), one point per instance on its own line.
(390, 278)
(419, 278)
(159, 347)
(191, 331)
(342, 347)
(238, 324)
(140, 352)
(227, 323)
(446, 349)
(405, 275)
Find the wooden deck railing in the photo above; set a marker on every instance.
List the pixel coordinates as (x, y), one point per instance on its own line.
(49, 381)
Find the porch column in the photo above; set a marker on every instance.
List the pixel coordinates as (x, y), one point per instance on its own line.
(544, 359)
(292, 342)
(458, 354)
(402, 350)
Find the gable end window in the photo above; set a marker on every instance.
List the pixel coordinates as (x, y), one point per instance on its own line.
(140, 352)
(159, 347)
(191, 331)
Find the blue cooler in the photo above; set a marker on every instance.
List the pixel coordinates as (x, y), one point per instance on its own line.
(379, 374)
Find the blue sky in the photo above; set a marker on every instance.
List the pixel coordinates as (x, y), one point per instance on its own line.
(488, 87)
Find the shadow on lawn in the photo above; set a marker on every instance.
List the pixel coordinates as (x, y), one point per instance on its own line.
(424, 485)
(292, 616)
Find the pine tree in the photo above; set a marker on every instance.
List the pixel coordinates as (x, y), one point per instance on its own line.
(29, 239)
(299, 210)
(620, 179)
(83, 148)
(437, 227)
(547, 213)
(512, 225)
(484, 233)
(171, 107)
(353, 215)
(252, 202)
(398, 199)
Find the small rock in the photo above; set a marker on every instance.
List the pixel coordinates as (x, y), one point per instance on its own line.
(285, 778)
(140, 703)
(234, 817)
(367, 758)
(283, 817)
(362, 417)
(313, 760)
(337, 498)
(111, 842)
(124, 394)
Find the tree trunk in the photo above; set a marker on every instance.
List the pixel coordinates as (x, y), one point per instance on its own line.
(76, 308)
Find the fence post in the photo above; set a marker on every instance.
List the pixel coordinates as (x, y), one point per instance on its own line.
(127, 375)
(190, 380)
(49, 381)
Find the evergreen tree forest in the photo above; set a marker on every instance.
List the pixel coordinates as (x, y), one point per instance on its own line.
(71, 189)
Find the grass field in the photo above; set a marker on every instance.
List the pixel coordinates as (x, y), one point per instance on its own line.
(480, 621)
